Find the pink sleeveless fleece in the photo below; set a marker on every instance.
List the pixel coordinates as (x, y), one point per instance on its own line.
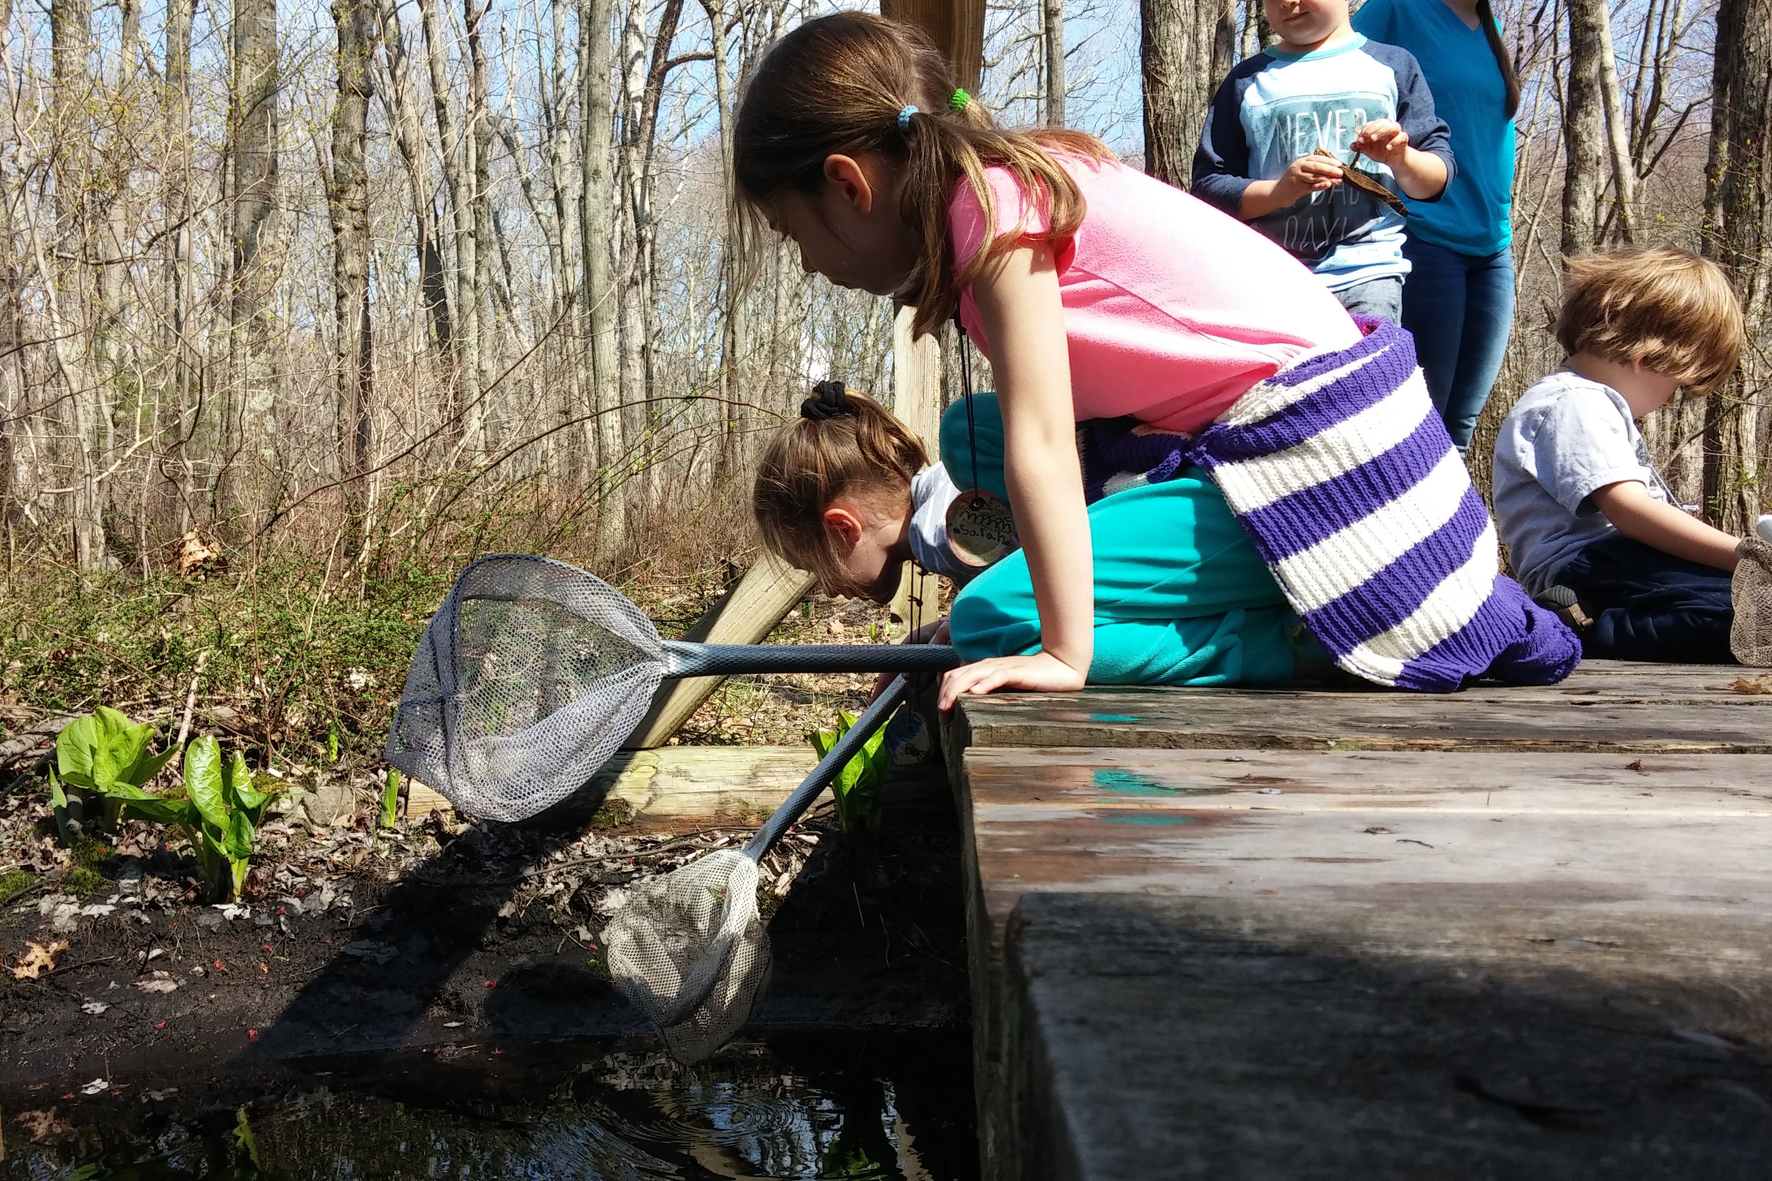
(1173, 309)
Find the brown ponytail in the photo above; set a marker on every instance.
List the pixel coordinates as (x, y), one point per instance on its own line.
(862, 452)
(836, 85)
(1503, 59)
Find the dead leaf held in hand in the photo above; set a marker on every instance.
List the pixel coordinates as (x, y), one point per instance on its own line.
(38, 960)
(1366, 183)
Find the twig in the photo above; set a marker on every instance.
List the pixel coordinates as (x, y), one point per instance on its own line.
(184, 726)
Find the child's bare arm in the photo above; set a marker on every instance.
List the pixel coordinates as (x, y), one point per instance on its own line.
(1018, 299)
(1640, 517)
(1421, 175)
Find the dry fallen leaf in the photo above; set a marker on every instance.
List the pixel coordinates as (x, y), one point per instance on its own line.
(1366, 183)
(38, 960)
(40, 1125)
(194, 553)
(1761, 684)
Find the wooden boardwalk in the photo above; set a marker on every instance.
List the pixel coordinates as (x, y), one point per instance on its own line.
(1309, 933)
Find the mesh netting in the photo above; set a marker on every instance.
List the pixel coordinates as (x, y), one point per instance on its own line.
(1750, 637)
(690, 950)
(529, 676)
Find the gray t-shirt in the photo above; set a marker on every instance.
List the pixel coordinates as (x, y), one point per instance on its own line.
(932, 490)
(1565, 439)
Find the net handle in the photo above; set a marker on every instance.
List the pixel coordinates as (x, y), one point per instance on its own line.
(684, 659)
(814, 784)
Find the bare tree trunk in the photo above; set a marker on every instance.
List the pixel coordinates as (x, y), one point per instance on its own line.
(1583, 131)
(1624, 175)
(180, 283)
(643, 76)
(252, 420)
(70, 25)
(477, 138)
(1737, 234)
(734, 328)
(407, 126)
(1052, 32)
(348, 206)
(458, 178)
(602, 319)
(1187, 48)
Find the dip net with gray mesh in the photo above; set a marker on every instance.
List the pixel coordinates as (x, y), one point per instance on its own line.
(690, 950)
(527, 679)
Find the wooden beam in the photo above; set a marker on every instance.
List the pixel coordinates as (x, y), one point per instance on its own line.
(916, 401)
(956, 27)
(744, 615)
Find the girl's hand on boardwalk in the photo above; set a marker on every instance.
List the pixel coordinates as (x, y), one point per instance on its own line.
(1041, 672)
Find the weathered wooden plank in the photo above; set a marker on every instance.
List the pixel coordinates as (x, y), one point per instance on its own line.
(1411, 835)
(1160, 1038)
(1490, 782)
(1303, 720)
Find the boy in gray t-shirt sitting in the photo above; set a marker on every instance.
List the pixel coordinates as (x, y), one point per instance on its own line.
(1587, 520)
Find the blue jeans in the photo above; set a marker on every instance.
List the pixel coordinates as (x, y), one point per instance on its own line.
(1460, 309)
(1647, 605)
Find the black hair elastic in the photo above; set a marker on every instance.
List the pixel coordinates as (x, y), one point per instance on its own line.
(830, 399)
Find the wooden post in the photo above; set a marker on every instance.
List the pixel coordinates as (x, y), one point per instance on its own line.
(916, 400)
(956, 27)
(746, 614)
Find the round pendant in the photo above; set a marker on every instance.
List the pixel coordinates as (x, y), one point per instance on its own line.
(981, 528)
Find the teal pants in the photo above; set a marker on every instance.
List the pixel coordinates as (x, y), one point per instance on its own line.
(1181, 598)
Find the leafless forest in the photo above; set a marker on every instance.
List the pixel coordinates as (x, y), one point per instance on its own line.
(406, 280)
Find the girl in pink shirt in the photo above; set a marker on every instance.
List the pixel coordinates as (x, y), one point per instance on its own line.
(1095, 291)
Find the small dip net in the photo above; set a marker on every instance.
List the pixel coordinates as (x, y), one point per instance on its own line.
(533, 672)
(689, 948)
(529, 676)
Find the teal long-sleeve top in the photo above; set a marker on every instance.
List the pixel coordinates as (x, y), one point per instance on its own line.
(1475, 213)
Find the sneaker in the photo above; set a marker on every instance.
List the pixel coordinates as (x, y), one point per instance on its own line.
(1562, 602)
(1750, 636)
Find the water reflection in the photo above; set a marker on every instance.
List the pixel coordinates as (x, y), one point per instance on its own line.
(897, 1109)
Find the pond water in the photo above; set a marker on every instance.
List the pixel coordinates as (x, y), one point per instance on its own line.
(877, 1106)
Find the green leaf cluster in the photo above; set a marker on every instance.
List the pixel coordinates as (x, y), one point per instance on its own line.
(856, 789)
(107, 754)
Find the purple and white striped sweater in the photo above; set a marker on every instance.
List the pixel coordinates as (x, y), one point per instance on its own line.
(1345, 479)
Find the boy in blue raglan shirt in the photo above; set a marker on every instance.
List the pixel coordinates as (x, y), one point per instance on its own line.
(1325, 85)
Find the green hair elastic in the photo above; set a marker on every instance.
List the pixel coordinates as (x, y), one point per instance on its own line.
(959, 100)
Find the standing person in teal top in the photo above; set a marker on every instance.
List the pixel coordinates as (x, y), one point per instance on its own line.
(1459, 301)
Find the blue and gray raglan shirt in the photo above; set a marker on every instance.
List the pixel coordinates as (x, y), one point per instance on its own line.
(1278, 106)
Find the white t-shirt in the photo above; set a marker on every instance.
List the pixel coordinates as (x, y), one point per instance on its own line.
(932, 491)
(1564, 440)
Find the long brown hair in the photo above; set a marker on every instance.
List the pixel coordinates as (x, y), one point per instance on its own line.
(1504, 59)
(835, 86)
(862, 452)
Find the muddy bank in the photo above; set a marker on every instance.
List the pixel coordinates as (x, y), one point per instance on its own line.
(487, 938)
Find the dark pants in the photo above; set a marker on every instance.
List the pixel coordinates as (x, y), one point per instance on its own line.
(1647, 605)
(1381, 299)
